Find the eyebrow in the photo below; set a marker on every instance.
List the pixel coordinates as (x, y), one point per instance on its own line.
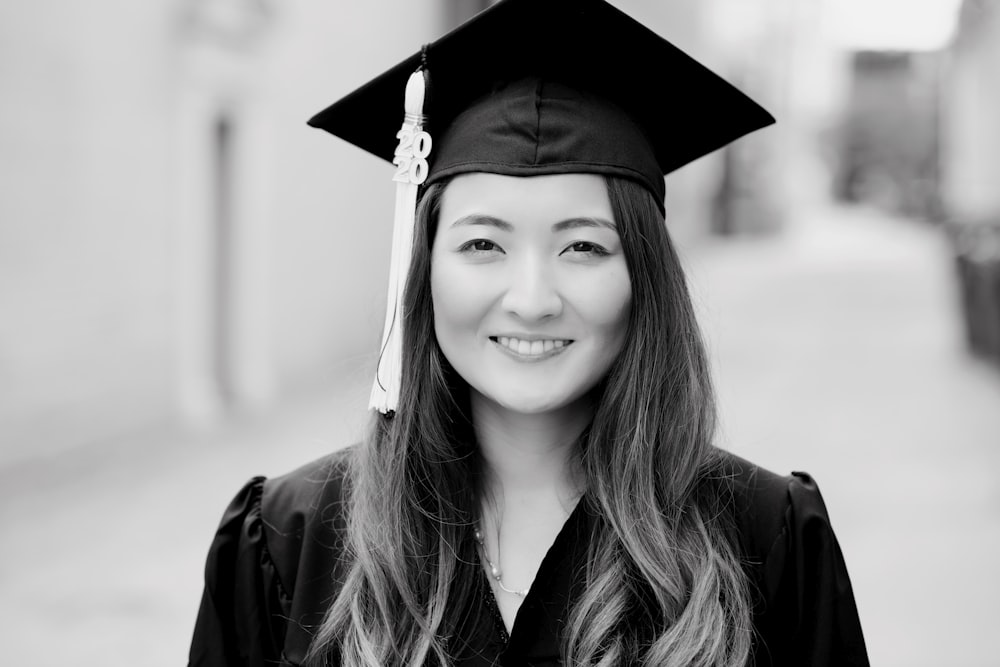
(485, 220)
(562, 225)
(575, 223)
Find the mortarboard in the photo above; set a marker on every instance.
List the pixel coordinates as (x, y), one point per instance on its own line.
(531, 87)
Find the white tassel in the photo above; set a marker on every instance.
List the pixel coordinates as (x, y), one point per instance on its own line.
(411, 170)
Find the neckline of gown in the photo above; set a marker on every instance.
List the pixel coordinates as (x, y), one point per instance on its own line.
(550, 595)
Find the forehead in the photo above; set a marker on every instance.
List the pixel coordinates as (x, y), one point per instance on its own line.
(543, 199)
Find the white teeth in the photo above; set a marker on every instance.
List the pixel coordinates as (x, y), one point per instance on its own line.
(531, 348)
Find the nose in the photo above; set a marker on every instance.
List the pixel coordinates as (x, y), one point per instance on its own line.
(532, 293)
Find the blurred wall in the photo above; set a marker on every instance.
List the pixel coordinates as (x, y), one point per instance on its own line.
(84, 219)
(174, 241)
(890, 135)
(971, 170)
(779, 53)
(971, 150)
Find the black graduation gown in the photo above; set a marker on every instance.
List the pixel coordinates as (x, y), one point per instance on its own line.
(272, 566)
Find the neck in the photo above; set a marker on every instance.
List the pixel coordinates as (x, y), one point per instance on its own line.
(530, 454)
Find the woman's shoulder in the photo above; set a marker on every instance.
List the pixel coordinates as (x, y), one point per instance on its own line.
(273, 564)
(767, 505)
(305, 510)
(804, 608)
(310, 491)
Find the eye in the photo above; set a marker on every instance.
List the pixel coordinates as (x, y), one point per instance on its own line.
(479, 246)
(586, 248)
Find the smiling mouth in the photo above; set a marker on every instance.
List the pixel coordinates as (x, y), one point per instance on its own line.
(530, 348)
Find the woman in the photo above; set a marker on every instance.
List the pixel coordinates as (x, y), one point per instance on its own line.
(541, 487)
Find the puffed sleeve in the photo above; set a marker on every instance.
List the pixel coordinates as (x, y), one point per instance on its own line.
(810, 617)
(240, 621)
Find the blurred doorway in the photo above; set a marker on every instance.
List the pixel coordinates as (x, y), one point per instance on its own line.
(222, 240)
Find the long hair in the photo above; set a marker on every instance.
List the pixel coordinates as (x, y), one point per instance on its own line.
(664, 584)
(663, 547)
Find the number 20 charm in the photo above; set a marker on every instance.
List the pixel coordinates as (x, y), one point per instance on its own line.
(411, 156)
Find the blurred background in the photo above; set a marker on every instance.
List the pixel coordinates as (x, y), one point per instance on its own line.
(191, 286)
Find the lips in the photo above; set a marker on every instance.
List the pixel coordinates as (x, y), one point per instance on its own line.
(530, 348)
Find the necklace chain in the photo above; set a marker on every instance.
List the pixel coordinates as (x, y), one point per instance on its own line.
(495, 568)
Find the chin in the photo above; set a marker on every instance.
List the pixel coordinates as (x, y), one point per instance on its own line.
(520, 403)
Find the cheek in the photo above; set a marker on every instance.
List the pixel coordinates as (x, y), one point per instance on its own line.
(457, 304)
(608, 304)
(618, 325)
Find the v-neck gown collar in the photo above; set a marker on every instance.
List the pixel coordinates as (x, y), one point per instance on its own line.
(535, 638)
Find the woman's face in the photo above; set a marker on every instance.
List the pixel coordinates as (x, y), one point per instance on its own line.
(530, 286)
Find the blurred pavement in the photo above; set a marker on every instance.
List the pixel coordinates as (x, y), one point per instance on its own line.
(838, 350)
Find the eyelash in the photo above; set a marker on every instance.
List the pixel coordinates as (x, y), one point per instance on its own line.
(470, 246)
(591, 248)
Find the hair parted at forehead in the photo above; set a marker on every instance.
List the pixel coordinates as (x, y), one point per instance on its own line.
(661, 314)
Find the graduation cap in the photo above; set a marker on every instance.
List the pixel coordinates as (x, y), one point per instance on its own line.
(531, 87)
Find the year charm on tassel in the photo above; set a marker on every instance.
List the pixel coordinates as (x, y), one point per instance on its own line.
(411, 171)
(411, 156)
